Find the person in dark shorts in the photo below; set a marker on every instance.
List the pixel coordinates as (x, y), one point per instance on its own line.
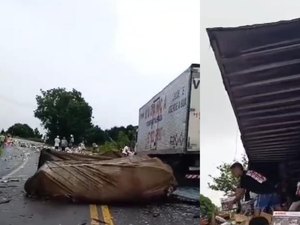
(64, 144)
(257, 183)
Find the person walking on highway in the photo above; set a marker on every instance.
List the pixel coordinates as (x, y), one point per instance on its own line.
(56, 142)
(257, 183)
(64, 144)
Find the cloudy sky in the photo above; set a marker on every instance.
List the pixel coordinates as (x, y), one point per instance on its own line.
(118, 53)
(220, 140)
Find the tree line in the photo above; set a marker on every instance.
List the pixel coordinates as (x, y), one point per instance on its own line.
(116, 137)
(63, 113)
(23, 131)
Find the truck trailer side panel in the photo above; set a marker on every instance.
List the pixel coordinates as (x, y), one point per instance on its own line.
(163, 121)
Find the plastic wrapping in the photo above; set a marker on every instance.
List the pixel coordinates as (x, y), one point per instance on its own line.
(130, 179)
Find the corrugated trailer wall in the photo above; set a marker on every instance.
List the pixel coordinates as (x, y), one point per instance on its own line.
(260, 66)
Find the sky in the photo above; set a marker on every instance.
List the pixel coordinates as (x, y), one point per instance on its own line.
(118, 53)
(219, 135)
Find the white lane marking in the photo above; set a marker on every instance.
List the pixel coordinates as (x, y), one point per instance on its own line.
(4, 178)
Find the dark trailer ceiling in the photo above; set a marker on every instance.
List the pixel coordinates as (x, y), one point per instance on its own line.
(260, 66)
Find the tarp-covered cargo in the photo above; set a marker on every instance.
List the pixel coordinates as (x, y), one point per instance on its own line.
(49, 155)
(127, 179)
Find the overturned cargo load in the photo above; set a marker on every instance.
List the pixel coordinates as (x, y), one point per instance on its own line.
(130, 179)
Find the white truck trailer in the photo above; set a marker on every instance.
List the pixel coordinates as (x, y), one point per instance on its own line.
(169, 125)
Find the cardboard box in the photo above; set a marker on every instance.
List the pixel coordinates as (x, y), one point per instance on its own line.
(244, 220)
(225, 202)
(267, 216)
(286, 218)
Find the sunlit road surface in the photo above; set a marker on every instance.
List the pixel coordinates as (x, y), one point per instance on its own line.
(17, 164)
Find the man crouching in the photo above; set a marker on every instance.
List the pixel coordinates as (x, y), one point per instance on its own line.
(257, 183)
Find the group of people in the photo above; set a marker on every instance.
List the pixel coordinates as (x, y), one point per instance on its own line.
(63, 143)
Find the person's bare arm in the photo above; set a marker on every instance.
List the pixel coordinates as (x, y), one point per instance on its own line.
(239, 194)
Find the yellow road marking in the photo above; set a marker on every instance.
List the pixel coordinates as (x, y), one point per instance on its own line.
(94, 215)
(106, 215)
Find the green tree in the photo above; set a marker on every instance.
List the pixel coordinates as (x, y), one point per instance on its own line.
(132, 134)
(108, 147)
(63, 113)
(2, 131)
(123, 139)
(37, 133)
(207, 207)
(123, 136)
(225, 181)
(21, 130)
(95, 135)
(113, 133)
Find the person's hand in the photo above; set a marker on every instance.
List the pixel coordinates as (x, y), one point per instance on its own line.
(204, 221)
(230, 205)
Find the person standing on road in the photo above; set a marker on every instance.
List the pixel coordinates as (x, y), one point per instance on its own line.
(64, 144)
(95, 146)
(257, 183)
(9, 141)
(71, 144)
(56, 142)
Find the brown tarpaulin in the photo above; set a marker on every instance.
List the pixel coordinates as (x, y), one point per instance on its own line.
(49, 155)
(117, 180)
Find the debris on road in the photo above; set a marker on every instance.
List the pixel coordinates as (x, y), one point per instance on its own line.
(99, 221)
(9, 186)
(6, 180)
(92, 179)
(14, 180)
(156, 214)
(5, 200)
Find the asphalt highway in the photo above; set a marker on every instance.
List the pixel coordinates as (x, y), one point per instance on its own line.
(17, 164)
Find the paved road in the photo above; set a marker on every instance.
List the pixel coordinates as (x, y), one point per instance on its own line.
(21, 163)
